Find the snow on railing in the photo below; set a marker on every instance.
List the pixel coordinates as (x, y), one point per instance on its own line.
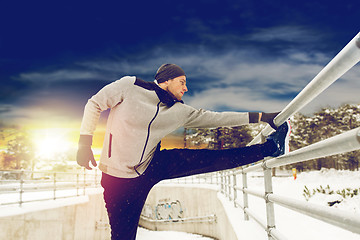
(345, 142)
(24, 186)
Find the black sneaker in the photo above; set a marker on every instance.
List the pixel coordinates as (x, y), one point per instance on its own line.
(281, 139)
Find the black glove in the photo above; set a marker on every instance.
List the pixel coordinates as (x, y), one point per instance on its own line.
(269, 118)
(84, 154)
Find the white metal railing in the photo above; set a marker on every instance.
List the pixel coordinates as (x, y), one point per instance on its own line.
(345, 142)
(23, 186)
(349, 141)
(338, 66)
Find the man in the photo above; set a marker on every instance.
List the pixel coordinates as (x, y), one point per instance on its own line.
(142, 113)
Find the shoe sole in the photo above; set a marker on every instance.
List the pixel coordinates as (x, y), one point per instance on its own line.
(287, 138)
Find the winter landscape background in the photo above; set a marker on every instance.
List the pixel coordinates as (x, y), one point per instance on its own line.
(238, 56)
(332, 181)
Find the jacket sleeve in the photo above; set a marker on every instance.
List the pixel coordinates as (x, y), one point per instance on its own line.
(199, 118)
(108, 97)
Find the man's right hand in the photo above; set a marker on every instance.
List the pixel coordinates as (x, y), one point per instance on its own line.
(269, 118)
(84, 154)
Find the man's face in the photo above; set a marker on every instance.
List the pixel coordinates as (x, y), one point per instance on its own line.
(177, 87)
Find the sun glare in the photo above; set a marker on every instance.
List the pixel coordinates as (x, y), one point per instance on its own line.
(50, 142)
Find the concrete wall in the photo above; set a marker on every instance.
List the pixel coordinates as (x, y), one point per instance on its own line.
(80, 218)
(194, 202)
(85, 217)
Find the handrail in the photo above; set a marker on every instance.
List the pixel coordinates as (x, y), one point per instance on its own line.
(345, 142)
(337, 217)
(49, 183)
(338, 66)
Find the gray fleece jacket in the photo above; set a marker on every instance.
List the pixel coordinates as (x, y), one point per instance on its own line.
(141, 115)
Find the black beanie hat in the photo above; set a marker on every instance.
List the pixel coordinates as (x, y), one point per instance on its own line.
(168, 71)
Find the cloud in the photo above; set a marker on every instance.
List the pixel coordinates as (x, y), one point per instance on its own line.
(60, 75)
(234, 99)
(48, 112)
(5, 108)
(247, 78)
(293, 34)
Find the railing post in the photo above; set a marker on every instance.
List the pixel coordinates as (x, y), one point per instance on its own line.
(229, 184)
(270, 214)
(21, 187)
(234, 188)
(84, 181)
(77, 184)
(245, 195)
(54, 186)
(95, 178)
(220, 181)
(225, 185)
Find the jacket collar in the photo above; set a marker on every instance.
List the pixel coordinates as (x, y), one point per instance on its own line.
(163, 95)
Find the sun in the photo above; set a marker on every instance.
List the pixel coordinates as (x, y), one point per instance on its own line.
(50, 142)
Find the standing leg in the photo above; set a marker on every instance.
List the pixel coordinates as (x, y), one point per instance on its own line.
(125, 198)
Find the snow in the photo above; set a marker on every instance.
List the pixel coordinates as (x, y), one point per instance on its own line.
(291, 224)
(144, 234)
(298, 226)
(244, 229)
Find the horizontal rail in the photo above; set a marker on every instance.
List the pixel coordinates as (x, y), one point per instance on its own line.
(345, 220)
(255, 193)
(210, 218)
(42, 187)
(335, 217)
(52, 185)
(37, 200)
(345, 142)
(338, 66)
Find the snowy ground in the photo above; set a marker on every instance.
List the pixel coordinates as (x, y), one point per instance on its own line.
(144, 234)
(294, 226)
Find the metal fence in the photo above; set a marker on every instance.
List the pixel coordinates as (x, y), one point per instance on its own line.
(345, 142)
(22, 186)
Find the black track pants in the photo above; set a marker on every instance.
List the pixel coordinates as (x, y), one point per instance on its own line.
(125, 197)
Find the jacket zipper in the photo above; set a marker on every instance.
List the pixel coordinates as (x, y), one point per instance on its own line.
(110, 144)
(147, 137)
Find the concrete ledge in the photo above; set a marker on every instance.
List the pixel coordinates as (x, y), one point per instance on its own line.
(64, 219)
(176, 201)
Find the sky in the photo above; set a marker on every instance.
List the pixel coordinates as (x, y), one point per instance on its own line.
(238, 55)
